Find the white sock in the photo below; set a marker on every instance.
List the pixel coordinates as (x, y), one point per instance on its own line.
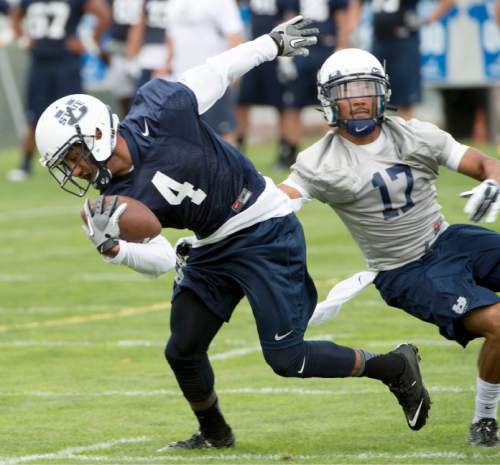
(487, 396)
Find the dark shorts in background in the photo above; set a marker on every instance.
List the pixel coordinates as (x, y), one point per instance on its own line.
(49, 80)
(402, 60)
(267, 263)
(260, 86)
(303, 91)
(459, 274)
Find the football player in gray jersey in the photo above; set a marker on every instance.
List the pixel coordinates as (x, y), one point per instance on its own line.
(378, 173)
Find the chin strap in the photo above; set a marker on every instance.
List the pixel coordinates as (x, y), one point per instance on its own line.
(103, 177)
(359, 127)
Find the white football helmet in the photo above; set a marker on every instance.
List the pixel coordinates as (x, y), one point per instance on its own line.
(353, 73)
(76, 119)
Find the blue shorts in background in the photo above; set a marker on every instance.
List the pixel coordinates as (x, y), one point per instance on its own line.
(303, 91)
(49, 80)
(260, 86)
(402, 60)
(460, 273)
(267, 263)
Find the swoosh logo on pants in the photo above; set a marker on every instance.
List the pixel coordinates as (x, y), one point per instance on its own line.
(278, 337)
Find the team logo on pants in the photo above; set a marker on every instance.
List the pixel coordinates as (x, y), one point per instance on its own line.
(460, 306)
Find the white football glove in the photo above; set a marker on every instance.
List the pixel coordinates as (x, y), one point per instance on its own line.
(102, 225)
(484, 200)
(292, 37)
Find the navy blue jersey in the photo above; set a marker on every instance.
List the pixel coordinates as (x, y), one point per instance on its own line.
(322, 12)
(49, 23)
(265, 14)
(4, 6)
(390, 18)
(155, 13)
(186, 174)
(125, 14)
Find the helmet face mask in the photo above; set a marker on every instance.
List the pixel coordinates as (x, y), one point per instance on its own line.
(84, 127)
(353, 74)
(62, 171)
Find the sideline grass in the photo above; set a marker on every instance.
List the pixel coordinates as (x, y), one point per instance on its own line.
(83, 380)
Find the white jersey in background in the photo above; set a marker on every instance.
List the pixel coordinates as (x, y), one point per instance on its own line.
(363, 185)
(200, 29)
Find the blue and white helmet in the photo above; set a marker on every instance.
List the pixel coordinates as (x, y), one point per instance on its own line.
(353, 73)
(76, 119)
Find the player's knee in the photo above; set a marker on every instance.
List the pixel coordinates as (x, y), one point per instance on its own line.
(286, 362)
(179, 349)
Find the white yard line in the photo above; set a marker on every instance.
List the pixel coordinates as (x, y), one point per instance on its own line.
(164, 456)
(237, 391)
(70, 452)
(31, 213)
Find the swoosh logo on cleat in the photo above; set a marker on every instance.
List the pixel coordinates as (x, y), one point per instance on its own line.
(413, 421)
(302, 367)
(278, 337)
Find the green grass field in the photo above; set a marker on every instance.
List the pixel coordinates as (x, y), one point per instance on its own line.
(83, 379)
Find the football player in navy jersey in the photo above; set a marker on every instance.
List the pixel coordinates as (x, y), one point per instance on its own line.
(148, 42)
(247, 240)
(260, 86)
(396, 41)
(122, 73)
(55, 50)
(330, 16)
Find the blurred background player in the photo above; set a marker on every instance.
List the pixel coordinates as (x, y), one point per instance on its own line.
(148, 42)
(55, 51)
(396, 40)
(330, 16)
(122, 73)
(261, 86)
(199, 30)
(4, 7)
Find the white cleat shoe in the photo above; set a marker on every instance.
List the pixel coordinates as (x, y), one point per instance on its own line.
(18, 175)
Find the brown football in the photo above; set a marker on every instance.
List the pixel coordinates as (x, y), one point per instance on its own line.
(137, 222)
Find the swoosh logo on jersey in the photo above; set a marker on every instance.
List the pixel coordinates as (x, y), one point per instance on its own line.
(146, 129)
(412, 422)
(278, 337)
(302, 367)
(361, 129)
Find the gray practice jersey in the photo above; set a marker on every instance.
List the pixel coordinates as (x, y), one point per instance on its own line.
(387, 197)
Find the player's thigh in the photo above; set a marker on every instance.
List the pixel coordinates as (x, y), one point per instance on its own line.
(276, 281)
(192, 324)
(439, 288)
(482, 245)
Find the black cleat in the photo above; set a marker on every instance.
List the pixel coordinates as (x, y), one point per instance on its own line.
(199, 441)
(409, 388)
(484, 433)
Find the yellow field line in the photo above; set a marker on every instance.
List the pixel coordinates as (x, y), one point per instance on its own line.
(79, 319)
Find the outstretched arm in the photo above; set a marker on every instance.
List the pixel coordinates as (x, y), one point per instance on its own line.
(484, 200)
(210, 81)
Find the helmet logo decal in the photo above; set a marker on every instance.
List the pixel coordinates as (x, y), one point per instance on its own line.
(72, 114)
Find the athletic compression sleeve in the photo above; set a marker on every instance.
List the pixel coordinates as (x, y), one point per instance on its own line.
(151, 259)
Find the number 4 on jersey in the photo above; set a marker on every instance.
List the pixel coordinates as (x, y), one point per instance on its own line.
(174, 192)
